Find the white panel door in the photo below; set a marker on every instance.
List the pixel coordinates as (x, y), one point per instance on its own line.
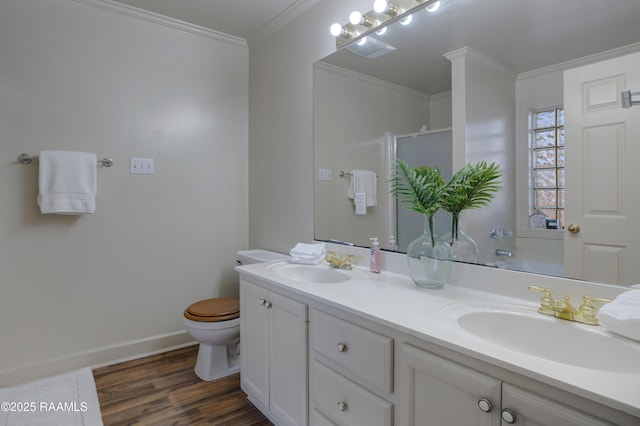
(602, 142)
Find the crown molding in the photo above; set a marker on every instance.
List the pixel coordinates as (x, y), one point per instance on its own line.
(290, 14)
(155, 18)
(368, 79)
(482, 59)
(574, 63)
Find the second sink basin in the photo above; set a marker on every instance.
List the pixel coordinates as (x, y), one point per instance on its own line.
(310, 273)
(521, 328)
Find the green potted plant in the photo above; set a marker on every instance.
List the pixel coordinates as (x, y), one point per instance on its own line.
(423, 190)
(471, 187)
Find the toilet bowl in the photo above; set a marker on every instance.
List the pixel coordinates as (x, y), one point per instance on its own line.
(215, 324)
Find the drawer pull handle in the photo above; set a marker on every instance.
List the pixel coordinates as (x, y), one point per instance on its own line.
(508, 416)
(485, 405)
(342, 406)
(342, 347)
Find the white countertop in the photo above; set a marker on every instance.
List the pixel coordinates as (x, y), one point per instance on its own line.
(396, 302)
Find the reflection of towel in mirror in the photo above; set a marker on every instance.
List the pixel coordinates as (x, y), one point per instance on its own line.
(622, 315)
(363, 181)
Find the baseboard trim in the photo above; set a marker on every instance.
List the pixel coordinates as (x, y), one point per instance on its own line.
(97, 357)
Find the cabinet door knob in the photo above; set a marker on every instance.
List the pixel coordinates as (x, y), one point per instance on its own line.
(342, 406)
(485, 405)
(262, 302)
(508, 416)
(267, 305)
(342, 347)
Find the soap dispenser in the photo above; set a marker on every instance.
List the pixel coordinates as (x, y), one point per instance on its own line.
(374, 265)
(392, 244)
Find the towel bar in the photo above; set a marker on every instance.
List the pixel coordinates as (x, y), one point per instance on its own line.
(344, 174)
(25, 158)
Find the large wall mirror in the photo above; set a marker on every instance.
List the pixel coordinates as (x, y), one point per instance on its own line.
(466, 80)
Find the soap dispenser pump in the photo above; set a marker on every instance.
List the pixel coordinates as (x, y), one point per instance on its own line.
(374, 265)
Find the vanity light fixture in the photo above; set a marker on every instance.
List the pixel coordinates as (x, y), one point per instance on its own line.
(357, 18)
(434, 6)
(384, 12)
(406, 20)
(338, 30)
(386, 8)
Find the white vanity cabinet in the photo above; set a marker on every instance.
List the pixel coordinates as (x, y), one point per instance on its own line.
(273, 344)
(441, 392)
(351, 374)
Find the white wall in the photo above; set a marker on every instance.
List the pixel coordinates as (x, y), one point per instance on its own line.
(352, 113)
(484, 129)
(91, 289)
(281, 125)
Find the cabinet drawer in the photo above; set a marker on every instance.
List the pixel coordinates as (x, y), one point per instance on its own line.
(346, 403)
(364, 353)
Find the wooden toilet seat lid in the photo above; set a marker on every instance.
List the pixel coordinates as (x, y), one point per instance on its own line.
(212, 310)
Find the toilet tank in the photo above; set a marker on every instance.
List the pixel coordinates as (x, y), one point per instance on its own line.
(247, 257)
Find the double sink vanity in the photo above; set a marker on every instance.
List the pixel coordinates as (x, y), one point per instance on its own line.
(325, 346)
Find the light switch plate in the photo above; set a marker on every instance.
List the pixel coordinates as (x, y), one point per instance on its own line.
(141, 166)
(325, 174)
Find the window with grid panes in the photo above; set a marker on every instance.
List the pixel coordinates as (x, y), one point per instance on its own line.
(547, 163)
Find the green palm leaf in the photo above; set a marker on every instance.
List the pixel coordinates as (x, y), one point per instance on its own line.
(472, 187)
(419, 189)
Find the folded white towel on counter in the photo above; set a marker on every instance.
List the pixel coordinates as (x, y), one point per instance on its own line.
(67, 182)
(364, 181)
(308, 253)
(622, 315)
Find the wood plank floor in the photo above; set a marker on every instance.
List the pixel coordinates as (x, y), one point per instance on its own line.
(163, 390)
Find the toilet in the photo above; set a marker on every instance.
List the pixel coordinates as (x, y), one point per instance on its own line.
(215, 324)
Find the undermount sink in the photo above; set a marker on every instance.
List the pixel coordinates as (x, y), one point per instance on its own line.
(310, 273)
(521, 328)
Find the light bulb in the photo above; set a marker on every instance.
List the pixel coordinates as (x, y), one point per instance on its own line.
(336, 30)
(433, 6)
(355, 18)
(406, 20)
(380, 6)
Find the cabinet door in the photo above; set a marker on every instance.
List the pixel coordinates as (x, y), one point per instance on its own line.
(533, 410)
(254, 342)
(436, 391)
(288, 360)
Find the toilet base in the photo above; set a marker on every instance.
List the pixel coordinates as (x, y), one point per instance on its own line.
(217, 361)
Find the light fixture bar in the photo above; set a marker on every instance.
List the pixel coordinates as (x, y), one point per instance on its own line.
(375, 21)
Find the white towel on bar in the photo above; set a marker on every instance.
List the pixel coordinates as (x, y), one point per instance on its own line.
(622, 315)
(67, 182)
(364, 181)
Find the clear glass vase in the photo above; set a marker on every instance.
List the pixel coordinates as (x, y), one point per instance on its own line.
(463, 248)
(429, 258)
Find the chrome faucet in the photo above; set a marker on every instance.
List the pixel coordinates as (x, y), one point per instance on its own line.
(500, 252)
